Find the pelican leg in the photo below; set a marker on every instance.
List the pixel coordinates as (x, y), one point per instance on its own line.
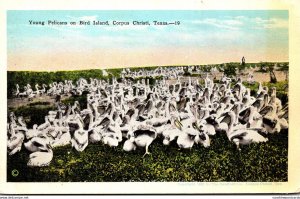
(72, 143)
(238, 146)
(147, 152)
(237, 143)
(84, 146)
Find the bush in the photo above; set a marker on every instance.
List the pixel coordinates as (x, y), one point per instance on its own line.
(31, 114)
(82, 99)
(25, 77)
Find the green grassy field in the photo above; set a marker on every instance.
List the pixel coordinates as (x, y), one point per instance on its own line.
(220, 162)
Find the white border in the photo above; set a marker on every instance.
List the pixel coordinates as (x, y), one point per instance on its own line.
(292, 185)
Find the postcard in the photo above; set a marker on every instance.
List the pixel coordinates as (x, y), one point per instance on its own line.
(105, 99)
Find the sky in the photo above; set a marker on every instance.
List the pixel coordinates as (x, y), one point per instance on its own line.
(202, 37)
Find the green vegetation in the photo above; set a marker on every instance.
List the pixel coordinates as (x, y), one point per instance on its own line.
(152, 80)
(81, 99)
(220, 162)
(32, 114)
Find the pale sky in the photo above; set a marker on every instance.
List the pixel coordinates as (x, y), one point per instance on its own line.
(203, 37)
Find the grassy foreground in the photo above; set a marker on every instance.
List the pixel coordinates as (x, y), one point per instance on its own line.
(220, 162)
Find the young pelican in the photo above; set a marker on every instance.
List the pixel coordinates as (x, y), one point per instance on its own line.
(41, 158)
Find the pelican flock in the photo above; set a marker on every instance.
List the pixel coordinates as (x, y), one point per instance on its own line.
(134, 115)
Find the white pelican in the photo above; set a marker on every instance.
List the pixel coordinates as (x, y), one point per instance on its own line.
(30, 133)
(35, 143)
(129, 144)
(143, 136)
(14, 143)
(41, 158)
(243, 136)
(80, 138)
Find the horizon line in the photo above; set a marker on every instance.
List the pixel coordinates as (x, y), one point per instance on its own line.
(145, 66)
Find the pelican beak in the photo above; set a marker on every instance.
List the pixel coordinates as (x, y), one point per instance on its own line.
(81, 120)
(178, 124)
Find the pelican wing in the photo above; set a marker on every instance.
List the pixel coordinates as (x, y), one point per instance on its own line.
(237, 88)
(109, 109)
(77, 110)
(182, 92)
(57, 116)
(239, 136)
(172, 107)
(73, 127)
(101, 109)
(141, 118)
(68, 109)
(86, 122)
(261, 94)
(159, 104)
(105, 122)
(211, 97)
(223, 99)
(226, 119)
(245, 112)
(130, 112)
(102, 91)
(115, 116)
(171, 88)
(265, 110)
(244, 116)
(80, 142)
(181, 104)
(141, 108)
(177, 86)
(199, 88)
(33, 155)
(202, 136)
(110, 130)
(159, 123)
(149, 106)
(37, 144)
(144, 132)
(201, 113)
(222, 88)
(260, 132)
(269, 122)
(211, 121)
(257, 103)
(285, 115)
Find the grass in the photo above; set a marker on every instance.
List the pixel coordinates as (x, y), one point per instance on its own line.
(220, 162)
